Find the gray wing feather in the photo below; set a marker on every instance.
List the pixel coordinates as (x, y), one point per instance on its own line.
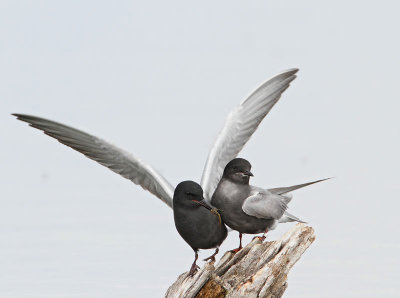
(242, 122)
(287, 217)
(283, 190)
(117, 160)
(264, 205)
(287, 198)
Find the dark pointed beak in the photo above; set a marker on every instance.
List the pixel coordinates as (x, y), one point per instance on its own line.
(248, 173)
(212, 210)
(202, 204)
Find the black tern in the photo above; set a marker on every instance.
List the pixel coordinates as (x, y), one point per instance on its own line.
(249, 209)
(198, 224)
(242, 122)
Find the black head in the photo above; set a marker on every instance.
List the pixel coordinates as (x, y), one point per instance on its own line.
(188, 193)
(238, 171)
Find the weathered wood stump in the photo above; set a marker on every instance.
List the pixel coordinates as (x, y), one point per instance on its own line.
(258, 270)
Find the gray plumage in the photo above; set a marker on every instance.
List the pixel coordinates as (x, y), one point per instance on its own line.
(240, 125)
(250, 209)
(106, 154)
(195, 221)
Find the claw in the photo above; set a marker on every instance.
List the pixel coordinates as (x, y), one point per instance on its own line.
(212, 258)
(261, 238)
(194, 267)
(236, 250)
(193, 270)
(240, 245)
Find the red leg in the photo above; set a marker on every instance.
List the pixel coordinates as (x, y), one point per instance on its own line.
(212, 257)
(240, 244)
(262, 238)
(194, 267)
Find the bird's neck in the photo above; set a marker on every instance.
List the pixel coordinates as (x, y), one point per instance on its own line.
(238, 182)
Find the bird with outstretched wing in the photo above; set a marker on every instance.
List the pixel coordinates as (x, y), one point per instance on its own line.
(242, 122)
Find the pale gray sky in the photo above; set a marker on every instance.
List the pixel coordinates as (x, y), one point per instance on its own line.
(142, 75)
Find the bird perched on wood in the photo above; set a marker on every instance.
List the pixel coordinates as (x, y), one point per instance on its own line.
(249, 209)
(242, 122)
(198, 224)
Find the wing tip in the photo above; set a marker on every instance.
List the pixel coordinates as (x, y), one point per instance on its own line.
(291, 70)
(288, 73)
(325, 179)
(23, 117)
(285, 74)
(292, 218)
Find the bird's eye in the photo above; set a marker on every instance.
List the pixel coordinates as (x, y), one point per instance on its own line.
(189, 193)
(235, 168)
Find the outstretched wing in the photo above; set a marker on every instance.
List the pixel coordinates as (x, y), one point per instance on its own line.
(264, 205)
(242, 122)
(104, 153)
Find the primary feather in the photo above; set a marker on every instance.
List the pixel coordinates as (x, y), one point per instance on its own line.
(239, 127)
(284, 190)
(108, 155)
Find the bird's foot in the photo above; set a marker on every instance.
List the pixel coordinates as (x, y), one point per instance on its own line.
(236, 250)
(193, 270)
(210, 258)
(261, 238)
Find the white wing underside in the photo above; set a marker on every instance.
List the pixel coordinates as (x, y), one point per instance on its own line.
(108, 155)
(239, 127)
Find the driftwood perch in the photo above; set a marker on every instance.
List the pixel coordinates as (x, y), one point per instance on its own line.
(258, 270)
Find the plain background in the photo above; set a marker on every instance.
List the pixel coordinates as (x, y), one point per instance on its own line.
(158, 78)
